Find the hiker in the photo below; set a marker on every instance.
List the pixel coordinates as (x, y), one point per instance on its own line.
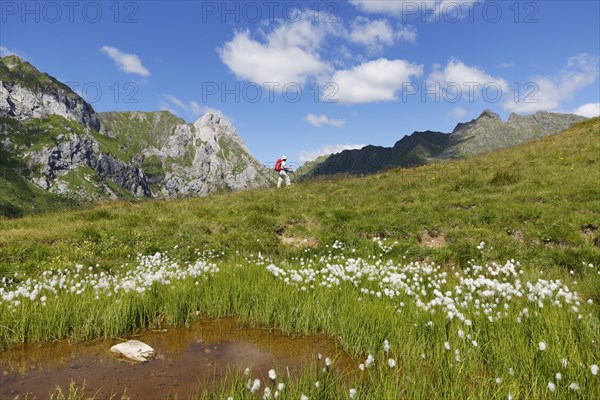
(282, 170)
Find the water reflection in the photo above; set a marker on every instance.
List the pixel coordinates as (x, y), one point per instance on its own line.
(187, 357)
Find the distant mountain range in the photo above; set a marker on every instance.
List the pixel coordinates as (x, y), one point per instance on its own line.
(52, 139)
(484, 134)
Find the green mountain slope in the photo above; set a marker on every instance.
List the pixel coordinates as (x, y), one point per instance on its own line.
(19, 197)
(137, 131)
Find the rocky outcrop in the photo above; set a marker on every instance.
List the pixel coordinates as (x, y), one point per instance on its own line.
(484, 134)
(74, 152)
(26, 93)
(189, 159)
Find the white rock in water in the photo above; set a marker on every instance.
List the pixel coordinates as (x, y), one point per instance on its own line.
(134, 350)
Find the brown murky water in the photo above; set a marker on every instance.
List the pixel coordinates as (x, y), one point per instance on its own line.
(187, 359)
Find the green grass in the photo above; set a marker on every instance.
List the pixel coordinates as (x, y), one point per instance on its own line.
(29, 77)
(38, 133)
(531, 203)
(139, 130)
(153, 167)
(18, 196)
(111, 146)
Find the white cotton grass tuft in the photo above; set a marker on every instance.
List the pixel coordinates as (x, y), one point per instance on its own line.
(392, 363)
(594, 368)
(386, 346)
(551, 387)
(574, 386)
(267, 393)
(255, 386)
(272, 374)
(353, 393)
(328, 361)
(281, 386)
(303, 397)
(542, 346)
(447, 345)
(558, 376)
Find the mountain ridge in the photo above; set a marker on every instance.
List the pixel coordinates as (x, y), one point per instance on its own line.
(483, 134)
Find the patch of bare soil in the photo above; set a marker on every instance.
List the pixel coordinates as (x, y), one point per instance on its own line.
(432, 239)
(517, 234)
(299, 241)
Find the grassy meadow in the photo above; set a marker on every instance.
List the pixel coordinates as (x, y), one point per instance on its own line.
(473, 279)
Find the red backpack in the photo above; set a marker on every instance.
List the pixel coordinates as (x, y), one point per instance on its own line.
(278, 165)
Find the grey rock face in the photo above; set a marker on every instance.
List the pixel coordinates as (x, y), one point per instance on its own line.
(219, 160)
(196, 159)
(488, 132)
(21, 103)
(57, 161)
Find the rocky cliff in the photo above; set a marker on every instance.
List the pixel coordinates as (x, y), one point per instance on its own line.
(185, 159)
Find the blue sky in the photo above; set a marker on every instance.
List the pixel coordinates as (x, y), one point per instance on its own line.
(354, 72)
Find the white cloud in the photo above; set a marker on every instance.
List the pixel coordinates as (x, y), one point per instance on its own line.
(432, 10)
(192, 109)
(126, 62)
(460, 81)
(589, 110)
(288, 54)
(319, 120)
(164, 106)
(406, 33)
(548, 92)
(377, 34)
(394, 7)
(374, 81)
(310, 155)
(457, 112)
(5, 51)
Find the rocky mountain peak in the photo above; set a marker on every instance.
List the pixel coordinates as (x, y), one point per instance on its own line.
(485, 118)
(27, 93)
(211, 119)
(212, 126)
(12, 61)
(487, 113)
